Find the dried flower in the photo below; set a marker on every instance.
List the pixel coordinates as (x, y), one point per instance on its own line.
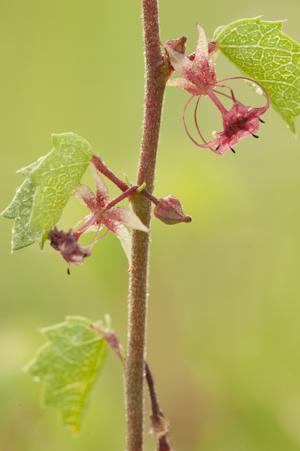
(66, 244)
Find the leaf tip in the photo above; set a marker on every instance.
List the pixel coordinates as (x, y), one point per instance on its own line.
(55, 139)
(77, 319)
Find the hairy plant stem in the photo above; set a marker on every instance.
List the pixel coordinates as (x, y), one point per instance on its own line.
(156, 78)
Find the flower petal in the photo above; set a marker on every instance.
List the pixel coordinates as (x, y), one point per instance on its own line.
(115, 219)
(205, 66)
(125, 237)
(86, 196)
(201, 52)
(182, 64)
(102, 194)
(124, 216)
(180, 82)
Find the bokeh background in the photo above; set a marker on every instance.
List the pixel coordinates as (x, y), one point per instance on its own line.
(224, 305)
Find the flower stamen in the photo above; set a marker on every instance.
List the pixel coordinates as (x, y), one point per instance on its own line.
(96, 239)
(222, 93)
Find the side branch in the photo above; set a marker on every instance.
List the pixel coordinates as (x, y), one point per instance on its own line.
(160, 424)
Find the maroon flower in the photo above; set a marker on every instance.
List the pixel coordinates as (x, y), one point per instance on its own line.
(197, 76)
(66, 244)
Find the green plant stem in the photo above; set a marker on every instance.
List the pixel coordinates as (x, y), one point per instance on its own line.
(156, 78)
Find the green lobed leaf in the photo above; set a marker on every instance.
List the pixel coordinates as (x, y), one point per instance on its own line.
(68, 364)
(262, 51)
(57, 176)
(48, 185)
(20, 209)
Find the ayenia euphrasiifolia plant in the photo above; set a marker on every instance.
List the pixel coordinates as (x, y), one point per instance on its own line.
(70, 361)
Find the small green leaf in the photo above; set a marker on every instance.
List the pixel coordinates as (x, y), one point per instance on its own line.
(57, 176)
(140, 188)
(20, 209)
(68, 364)
(263, 52)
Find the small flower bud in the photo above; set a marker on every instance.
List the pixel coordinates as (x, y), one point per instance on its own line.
(169, 211)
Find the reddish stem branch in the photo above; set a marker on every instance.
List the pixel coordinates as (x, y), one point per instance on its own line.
(150, 197)
(160, 424)
(101, 166)
(122, 196)
(154, 403)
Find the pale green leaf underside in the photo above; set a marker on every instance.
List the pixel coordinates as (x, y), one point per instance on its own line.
(57, 176)
(68, 364)
(263, 52)
(20, 209)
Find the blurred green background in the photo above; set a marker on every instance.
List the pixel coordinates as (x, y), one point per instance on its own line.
(224, 305)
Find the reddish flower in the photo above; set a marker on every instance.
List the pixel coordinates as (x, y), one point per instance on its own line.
(115, 219)
(197, 76)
